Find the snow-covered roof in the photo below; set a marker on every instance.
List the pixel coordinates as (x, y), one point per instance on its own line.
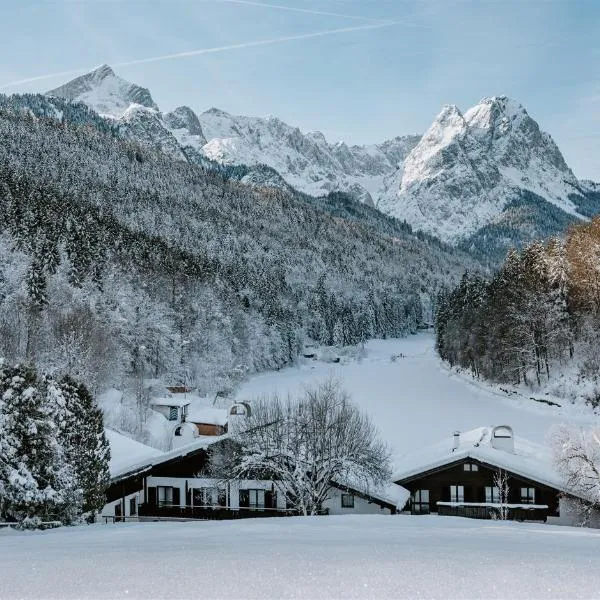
(124, 451)
(133, 467)
(390, 493)
(210, 416)
(529, 460)
(177, 400)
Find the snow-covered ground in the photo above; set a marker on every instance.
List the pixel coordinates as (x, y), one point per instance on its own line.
(303, 557)
(415, 400)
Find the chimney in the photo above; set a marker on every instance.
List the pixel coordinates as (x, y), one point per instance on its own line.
(456, 441)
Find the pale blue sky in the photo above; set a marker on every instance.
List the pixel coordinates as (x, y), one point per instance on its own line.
(361, 85)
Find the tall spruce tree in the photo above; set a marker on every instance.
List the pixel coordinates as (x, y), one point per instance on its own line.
(48, 490)
(81, 434)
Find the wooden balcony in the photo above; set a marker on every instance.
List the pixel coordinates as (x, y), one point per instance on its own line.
(484, 510)
(209, 513)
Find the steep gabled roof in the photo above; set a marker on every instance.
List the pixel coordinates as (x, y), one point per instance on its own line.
(529, 460)
(125, 451)
(138, 467)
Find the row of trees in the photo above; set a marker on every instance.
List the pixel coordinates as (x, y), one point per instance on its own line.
(538, 313)
(53, 451)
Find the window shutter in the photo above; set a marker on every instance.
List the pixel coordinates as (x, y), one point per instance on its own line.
(152, 496)
(176, 497)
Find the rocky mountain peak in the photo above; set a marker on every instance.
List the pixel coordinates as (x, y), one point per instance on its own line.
(105, 92)
(468, 167)
(184, 117)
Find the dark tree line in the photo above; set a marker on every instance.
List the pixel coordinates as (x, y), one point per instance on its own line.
(537, 314)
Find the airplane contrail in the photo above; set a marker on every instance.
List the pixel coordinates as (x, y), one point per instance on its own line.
(309, 11)
(200, 51)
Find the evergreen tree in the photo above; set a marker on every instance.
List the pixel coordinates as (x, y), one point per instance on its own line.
(48, 490)
(83, 439)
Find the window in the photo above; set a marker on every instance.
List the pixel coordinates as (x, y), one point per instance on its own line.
(471, 467)
(527, 495)
(347, 500)
(492, 494)
(257, 498)
(204, 496)
(252, 499)
(457, 493)
(173, 413)
(420, 502)
(132, 507)
(165, 495)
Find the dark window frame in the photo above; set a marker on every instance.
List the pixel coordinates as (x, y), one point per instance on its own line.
(420, 501)
(492, 494)
(529, 496)
(347, 500)
(455, 493)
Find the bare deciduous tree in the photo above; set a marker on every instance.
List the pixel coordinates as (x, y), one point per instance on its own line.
(577, 458)
(307, 444)
(501, 483)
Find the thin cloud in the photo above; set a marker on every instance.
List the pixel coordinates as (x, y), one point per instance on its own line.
(201, 51)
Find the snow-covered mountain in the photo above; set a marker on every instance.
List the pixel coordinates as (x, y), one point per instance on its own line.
(306, 161)
(462, 177)
(468, 167)
(105, 92)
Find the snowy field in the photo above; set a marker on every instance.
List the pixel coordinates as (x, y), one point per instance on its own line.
(415, 400)
(303, 557)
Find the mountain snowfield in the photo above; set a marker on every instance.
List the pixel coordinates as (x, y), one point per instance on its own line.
(459, 177)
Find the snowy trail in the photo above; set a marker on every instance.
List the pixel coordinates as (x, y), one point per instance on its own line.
(415, 400)
(313, 557)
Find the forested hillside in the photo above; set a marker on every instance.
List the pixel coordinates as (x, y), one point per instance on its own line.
(537, 321)
(118, 263)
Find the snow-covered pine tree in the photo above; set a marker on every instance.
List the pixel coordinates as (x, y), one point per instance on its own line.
(81, 433)
(16, 481)
(48, 490)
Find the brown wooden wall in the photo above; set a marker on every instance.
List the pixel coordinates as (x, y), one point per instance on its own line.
(438, 483)
(208, 429)
(187, 466)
